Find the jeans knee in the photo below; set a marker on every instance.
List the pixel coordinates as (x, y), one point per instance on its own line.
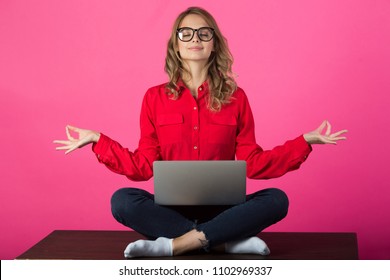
(280, 200)
(122, 202)
(117, 203)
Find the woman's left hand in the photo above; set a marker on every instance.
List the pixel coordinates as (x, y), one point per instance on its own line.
(318, 137)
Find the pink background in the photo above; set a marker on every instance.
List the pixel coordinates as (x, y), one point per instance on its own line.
(89, 63)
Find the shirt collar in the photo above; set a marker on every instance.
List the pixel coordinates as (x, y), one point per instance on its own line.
(202, 89)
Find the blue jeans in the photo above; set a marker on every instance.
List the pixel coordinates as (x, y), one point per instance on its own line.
(135, 208)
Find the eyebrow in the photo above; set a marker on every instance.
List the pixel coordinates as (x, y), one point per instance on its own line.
(193, 27)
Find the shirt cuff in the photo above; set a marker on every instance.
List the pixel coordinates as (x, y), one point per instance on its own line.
(101, 147)
(302, 147)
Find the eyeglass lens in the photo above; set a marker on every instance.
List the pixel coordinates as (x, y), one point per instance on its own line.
(186, 34)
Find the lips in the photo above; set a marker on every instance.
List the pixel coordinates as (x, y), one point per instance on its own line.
(195, 48)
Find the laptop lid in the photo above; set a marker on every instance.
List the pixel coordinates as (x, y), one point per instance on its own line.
(198, 182)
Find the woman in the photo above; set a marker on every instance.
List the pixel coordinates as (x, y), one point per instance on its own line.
(200, 114)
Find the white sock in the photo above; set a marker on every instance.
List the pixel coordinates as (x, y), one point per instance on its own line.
(251, 245)
(161, 247)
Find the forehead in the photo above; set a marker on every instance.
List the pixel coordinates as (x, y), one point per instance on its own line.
(194, 21)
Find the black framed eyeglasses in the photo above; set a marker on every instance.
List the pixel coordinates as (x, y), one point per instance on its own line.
(186, 34)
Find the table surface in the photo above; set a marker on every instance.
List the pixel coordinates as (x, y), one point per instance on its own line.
(109, 245)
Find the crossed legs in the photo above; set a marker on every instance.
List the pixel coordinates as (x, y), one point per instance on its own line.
(174, 233)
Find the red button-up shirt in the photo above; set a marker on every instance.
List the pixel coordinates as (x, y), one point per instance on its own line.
(185, 129)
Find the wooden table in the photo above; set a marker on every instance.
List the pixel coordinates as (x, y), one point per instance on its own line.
(109, 245)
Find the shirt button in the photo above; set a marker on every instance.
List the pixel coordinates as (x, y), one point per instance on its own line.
(195, 147)
(194, 108)
(200, 88)
(195, 127)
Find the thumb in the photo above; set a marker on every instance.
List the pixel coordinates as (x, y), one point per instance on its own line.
(73, 128)
(322, 126)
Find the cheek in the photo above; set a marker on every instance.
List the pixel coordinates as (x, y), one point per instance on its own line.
(210, 49)
(180, 48)
(210, 46)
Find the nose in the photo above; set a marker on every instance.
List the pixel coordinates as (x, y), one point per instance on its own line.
(195, 38)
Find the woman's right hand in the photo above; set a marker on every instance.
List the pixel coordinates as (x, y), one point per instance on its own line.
(85, 137)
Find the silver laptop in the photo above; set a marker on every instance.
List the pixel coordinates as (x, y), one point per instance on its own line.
(197, 182)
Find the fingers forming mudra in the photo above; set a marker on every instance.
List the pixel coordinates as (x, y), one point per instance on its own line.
(85, 137)
(319, 137)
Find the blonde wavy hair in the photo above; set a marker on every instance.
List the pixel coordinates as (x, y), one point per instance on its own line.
(220, 76)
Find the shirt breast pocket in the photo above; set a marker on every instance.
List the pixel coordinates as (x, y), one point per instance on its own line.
(223, 130)
(169, 128)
